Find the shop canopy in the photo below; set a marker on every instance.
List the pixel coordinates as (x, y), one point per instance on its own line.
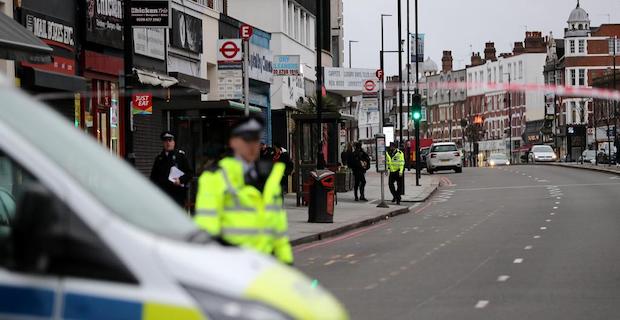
(19, 44)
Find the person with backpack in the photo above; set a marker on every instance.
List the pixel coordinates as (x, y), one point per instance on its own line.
(359, 163)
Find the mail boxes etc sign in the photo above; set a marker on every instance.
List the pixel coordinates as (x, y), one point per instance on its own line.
(142, 103)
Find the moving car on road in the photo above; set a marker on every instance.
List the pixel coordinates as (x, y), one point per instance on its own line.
(104, 243)
(444, 156)
(498, 159)
(542, 153)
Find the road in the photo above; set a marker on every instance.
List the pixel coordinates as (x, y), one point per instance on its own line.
(522, 242)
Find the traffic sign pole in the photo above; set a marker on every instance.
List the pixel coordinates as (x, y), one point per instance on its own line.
(246, 32)
(246, 76)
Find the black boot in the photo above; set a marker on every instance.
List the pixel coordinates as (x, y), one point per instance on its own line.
(355, 192)
(362, 196)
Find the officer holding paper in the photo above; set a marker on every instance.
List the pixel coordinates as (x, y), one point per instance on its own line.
(171, 171)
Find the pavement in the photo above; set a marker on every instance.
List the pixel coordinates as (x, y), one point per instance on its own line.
(350, 215)
(588, 166)
(519, 242)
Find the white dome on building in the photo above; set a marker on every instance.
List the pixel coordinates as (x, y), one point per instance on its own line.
(429, 66)
(578, 15)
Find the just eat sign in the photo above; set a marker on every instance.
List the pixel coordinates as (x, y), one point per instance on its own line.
(142, 103)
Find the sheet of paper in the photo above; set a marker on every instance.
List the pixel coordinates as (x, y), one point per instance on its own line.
(175, 173)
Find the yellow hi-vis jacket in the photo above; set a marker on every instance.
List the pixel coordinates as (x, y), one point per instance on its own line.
(396, 163)
(240, 214)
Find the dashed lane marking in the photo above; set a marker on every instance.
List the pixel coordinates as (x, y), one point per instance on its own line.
(482, 304)
(518, 260)
(555, 208)
(536, 237)
(528, 248)
(548, 220)
(543, 228)
(503, 278)
(330, 262)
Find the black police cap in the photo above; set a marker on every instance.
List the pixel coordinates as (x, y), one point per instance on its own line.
(166, 135)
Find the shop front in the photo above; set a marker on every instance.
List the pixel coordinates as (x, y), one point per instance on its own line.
(56, 83)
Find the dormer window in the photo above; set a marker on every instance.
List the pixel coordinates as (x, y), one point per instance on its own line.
(580, 26)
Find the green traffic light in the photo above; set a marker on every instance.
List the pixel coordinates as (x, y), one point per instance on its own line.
(416, 116)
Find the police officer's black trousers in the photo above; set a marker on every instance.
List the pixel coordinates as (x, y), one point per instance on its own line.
(395, 190)
(359, 178)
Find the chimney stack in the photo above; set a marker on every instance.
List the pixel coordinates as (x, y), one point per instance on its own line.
(490, 52)
(446, 61)
(534, 42)
(476, 60)
(518, 49)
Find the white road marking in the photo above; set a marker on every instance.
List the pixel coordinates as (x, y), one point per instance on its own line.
(329, 262)
(555, 208)
(528, 248)
(349, 256)
(543, 228)
(503, 278)
(529, 176)
(537, 237)
(552, 213)
(482, 304)
(557, 202)
(370, 287)
(559, 198)
(548, 220)
(518, 260)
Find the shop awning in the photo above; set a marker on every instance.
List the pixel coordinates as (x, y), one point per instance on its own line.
(19, 44)
(191, 82)
(210, 105)
(53, 80)
(155, 79)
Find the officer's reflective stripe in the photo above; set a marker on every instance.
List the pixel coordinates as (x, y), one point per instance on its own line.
(237, 208)
(279, 234)
(247, 231)
(206, 212)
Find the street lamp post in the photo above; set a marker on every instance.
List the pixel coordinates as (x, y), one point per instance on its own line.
(509, 117)
(382, 203)
(351, 98)
(417, 92)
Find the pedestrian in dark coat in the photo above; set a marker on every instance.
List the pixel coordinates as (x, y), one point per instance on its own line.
(281, 155)
(360, 163)
(171, 157)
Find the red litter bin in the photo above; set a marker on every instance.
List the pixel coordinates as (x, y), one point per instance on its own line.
(322, 197)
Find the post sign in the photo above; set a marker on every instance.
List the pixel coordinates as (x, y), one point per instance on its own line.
(150, 13)
(370, 88)
(246, 31)
(380, 153)
(229, 54)
(142, 103)
(379, 74)
(287, 65)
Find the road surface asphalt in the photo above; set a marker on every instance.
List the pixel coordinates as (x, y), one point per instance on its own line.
(521, 242)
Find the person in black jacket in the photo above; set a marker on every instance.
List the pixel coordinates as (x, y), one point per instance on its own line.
(359, 163)
(281, 155)
(170, 157)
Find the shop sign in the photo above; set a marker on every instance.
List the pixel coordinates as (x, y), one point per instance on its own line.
(142, 103)
(261, 64)
(345, 79)
(150, 13)
(104, 22)
(287, 65)
(150, 42)
(56, 33)
(186, 32)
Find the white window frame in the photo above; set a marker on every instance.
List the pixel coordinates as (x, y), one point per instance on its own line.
(571, 46)
(581, 46)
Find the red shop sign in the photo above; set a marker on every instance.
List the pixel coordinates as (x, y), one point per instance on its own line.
(142, 103)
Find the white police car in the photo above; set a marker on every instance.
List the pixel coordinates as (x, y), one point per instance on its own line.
(83, 236)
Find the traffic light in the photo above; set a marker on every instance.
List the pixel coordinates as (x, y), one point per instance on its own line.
(416, 106)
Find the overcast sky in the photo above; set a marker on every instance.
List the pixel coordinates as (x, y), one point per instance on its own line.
(458, 24)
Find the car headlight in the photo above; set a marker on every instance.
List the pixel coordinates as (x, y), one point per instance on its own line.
(218, 307)
(507, 163)
(492, 163)
(554, 157)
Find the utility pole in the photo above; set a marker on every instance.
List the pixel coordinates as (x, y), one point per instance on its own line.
(382, 203)
(417, 92)
(246, 77)
(128, 73)
(615, 101)
(408, 77)
(400, 88)
(510, 118)
(450, 113)
(350, 64)
(319, 74)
